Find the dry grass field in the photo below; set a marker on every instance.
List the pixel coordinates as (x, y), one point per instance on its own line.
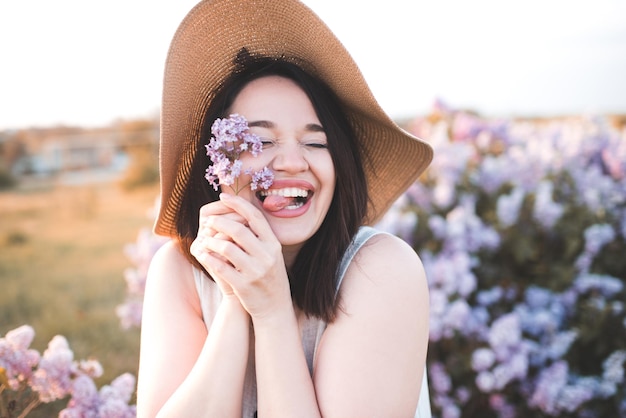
(62, 263)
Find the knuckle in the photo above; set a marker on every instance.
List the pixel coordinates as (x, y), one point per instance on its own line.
(218, 269)
(257, 216)
(227, 250)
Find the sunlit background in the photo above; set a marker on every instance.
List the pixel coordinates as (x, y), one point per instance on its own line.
(83, 62)
(520, 220)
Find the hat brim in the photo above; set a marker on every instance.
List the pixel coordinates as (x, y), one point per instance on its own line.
(201, 57)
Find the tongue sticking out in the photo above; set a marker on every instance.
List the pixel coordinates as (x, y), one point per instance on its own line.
(274, 203)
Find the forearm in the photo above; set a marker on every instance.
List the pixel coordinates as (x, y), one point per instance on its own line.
(214, 387)
(284, 385)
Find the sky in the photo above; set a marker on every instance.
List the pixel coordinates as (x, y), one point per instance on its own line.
(89, 63)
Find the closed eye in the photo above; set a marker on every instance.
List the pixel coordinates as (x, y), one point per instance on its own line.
(267, 142)
(317, 145)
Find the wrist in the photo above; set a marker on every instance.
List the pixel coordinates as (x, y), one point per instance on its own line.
(278, 318)
(231, 306)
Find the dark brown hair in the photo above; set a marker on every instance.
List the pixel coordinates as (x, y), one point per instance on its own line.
(313, 276)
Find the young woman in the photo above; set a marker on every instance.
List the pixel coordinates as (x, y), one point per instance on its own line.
(294, 309)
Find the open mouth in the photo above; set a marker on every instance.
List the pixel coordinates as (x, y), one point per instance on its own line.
(285, 198)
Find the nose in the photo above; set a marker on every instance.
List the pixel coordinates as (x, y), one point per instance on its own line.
(290, 158)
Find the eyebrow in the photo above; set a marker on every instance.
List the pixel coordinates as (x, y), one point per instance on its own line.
(311, 127)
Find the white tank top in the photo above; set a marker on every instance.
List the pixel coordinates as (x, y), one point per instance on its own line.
(311, 329)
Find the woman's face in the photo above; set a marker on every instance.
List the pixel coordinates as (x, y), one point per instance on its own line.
(295, 149)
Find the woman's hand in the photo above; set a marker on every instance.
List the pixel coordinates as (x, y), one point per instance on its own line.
(198, 248)
(238, 248)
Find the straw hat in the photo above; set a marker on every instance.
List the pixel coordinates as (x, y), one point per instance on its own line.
(202, 55)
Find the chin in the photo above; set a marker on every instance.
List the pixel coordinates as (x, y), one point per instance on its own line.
(292, 234)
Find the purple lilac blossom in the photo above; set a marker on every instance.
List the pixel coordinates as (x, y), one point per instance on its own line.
(16, 358)
(485, 381)
(614, 158)
(524, 172)
(116, 408)
(456, 317)
(444, 192)
(447, 169)
(420, 196)
(499, 404)
(399, 221)
(450, 411)
(537, 321)
(463, 394)
(91, 368)
(466, 126)
(505, 333)
(549, 385)
(122, 387)
(465, 231)
(596, 237)
(605, 389)
(447, 405)
(53, 378)
(536, 297)
(451, 272)
(56, 375)
(478, 324)
(607, 285)
(231, 137)
(546, 211)
(110, 402)
(514, 367)
(437, 226)
(493, 173)
(508, 207)
(84, 401)
(439, 378)
(130, 312)
(508, 349)
(262, 179)
(596, 190)
(140, 254)
(554, 394)
(482, 359)
(560, 343)
(490, 296)
(572, 396)
(617, 307)
(613, 367)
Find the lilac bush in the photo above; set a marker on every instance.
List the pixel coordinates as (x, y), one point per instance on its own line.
(28, 379)
(140, 253)
(521, 225)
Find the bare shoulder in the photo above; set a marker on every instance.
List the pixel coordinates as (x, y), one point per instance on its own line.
(168, 259)
(170, 273)
(388, 260)
(386, 272)
(382, 323)
(169, 255)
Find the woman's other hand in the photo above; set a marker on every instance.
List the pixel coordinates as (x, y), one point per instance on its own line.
(238, 248)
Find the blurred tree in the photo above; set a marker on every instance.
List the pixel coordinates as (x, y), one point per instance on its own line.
(140, 140)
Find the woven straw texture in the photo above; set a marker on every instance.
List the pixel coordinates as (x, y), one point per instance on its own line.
(202, 55)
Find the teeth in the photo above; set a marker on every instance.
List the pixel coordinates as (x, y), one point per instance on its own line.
(286, 192)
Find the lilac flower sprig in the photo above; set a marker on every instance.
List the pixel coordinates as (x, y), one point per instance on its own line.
(231, 138)
(29, 379)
